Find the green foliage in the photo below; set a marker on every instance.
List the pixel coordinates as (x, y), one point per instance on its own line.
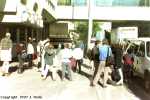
(96, 28)
(24, 2)
(35, 7)
(82, 29)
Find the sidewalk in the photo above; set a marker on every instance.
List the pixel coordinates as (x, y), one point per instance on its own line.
(30, 84)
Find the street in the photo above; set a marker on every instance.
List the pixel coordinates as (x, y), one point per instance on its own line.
(29, 85)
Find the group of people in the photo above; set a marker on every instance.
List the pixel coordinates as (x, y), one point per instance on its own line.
(121, 63)
(43, 55)
(69, 58)
(62, 58)
(66, 56)
(22, 52)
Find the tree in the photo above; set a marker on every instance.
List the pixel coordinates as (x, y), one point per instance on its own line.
(82, 29)
(35, 7)
(24, 2)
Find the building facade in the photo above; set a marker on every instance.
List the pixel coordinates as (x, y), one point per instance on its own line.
(40, 18)
(25, 18)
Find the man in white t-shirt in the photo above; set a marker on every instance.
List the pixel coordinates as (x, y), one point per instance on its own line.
(66, 55)
(30, 52)
(78, 55)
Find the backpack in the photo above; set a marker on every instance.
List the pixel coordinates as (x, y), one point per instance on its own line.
(95, 53)
(89, 54)
(128, 59)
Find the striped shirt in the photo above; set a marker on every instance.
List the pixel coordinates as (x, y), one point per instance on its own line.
(6, 43)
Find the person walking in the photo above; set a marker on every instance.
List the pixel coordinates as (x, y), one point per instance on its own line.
(104, 51)
(30, 52)
(66, 55)
(118, 59)
(34, 55)
(39, 54)
(78, 55)
(48, 58)
(43, 44)
(128, 65)
(22, 55)
(95, 57)
(6, 55)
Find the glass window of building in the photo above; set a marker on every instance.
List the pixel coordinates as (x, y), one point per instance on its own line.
(125, 2)
(122, 2)
(72, 2)
(79, 2)
(103, 2)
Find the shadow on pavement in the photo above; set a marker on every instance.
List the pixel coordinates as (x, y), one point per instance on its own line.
(137, 87)
(86, 75)
(86, 66)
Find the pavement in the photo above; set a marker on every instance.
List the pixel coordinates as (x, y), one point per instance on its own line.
(30, 86)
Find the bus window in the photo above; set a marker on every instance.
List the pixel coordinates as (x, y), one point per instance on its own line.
(141, 50)
(148, 49)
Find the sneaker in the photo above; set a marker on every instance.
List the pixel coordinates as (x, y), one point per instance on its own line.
(119, 83)
(7, 74)
(104, 86)
(62, 79)
(43, 78)
(54, 79)
(38, 70)
(92, 85)
(70, 79)
(3, 74)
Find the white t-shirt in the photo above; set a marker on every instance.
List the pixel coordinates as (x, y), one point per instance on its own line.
(66, 54)
(77, 53)
(30, 49)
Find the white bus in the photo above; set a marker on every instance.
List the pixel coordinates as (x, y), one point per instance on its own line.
(141, 48)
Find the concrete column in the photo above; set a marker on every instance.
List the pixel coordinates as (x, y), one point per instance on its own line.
(26, 35)
(90, 23)
(7, 29)
(32, 32)
(38, 34)
(18, 35)
(35, 34)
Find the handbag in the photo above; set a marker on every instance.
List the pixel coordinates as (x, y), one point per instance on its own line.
(109, 59)
(115, 76)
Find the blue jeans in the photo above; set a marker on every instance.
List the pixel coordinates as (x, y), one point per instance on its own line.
(66, 67)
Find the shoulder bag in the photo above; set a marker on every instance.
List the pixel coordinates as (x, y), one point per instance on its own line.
(109, 59)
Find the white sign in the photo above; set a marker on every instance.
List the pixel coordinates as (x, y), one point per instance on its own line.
(127, 32)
